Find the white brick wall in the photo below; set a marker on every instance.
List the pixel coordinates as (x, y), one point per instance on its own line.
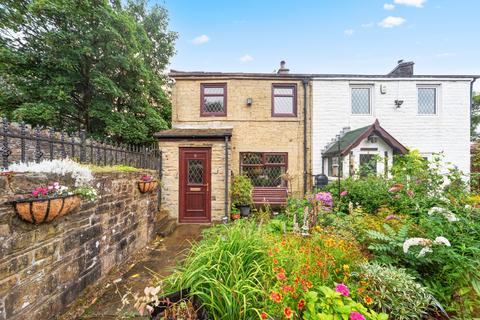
(448, 131)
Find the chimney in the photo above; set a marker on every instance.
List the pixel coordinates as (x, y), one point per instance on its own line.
(403, 69)
(283, 69)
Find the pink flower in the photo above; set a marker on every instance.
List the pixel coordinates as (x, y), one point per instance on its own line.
(343, 193)
(391, 217)
(410, 193)
(343, 289)
(354, 315)
(396, 187)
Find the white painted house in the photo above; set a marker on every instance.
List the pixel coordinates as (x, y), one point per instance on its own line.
(430, 113)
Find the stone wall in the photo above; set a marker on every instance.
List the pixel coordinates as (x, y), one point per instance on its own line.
(44, 268)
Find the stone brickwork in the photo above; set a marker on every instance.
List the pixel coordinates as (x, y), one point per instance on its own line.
(170, 179)
(44, 268)
(254, 127)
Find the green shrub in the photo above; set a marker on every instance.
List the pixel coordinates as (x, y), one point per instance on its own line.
(241, 191)
(227, 271)
(395, 292)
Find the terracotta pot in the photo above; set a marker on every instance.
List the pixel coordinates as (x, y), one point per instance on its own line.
(147, 186)
(45, 210)
(235, 216)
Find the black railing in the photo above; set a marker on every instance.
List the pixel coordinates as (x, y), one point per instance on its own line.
(21, 143)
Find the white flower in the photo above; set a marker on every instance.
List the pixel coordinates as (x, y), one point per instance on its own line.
(435, 210)
(442, 240)
(450, 216)
(415, 242)
(81, 174)
(424, 251)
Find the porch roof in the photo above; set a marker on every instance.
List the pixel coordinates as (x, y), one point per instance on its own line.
(353, 138)
(185, 134)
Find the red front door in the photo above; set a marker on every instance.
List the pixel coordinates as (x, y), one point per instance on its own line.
(195, 176)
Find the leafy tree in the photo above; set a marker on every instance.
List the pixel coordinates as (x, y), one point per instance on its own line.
(475, 119)
(90, 65)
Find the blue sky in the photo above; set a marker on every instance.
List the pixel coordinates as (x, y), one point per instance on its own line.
(327, 36)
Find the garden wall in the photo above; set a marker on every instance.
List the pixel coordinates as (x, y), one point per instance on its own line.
(44, 268)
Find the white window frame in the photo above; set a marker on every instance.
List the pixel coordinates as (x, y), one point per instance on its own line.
(437, 99)
(370, 87)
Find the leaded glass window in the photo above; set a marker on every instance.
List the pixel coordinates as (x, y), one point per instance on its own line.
(213, 98)
(284, 100)
(361, 100)
(427, 100)
(265, 169)
(195, 171)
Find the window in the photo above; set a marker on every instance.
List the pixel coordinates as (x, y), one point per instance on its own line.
(213, 99)
(284, 100)
(333, 167)
(265, 169)
(368, 164)
(361, 100)
(427, 100)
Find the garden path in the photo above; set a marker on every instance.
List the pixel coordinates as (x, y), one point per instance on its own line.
(160, 257)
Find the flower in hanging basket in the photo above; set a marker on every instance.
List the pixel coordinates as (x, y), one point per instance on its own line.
(147, 183)
(46, 203)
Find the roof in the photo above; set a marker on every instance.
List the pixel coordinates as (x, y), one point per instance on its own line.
(353, 138)
(209, 134)
(176, 74)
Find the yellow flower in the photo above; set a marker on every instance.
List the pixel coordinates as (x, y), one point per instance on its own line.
(346, 267)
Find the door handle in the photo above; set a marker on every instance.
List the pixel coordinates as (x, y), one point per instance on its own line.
(207, 187)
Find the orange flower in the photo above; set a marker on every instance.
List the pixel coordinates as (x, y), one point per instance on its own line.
(368, 300)
(275, 261)
(301, 304)
(264, 315)
(287, 312)
(281, 276)
(275, 296)
(360, 290)
(270, 253)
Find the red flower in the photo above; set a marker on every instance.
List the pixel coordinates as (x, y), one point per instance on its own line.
(264, 315)
(275, 261)
(275, 296)
(287, 288)
(281, 276)
(287, 312)
(301, 304)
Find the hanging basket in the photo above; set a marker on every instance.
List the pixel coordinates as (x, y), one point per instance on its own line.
(147, 186)
(39, 211)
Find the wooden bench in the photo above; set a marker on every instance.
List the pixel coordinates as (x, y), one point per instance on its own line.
(272, 196)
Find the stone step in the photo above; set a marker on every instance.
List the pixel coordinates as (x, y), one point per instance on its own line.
(167, 228)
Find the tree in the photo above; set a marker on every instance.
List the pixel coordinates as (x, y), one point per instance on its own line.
(90, 65)
(475, 117)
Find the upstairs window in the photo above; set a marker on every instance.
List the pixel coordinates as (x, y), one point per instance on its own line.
(427, 100)
(361, 100)
(284, 100)
(265, 169)
(213, 99)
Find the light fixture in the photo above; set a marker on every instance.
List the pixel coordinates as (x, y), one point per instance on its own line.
(249, 102)
(398, 103)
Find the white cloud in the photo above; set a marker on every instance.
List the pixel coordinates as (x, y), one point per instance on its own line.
(367, 25)
(349, 32)
(411, 3)
(201, 39)
(388, 6)
(445, 55)
(390, 22)
(246, 58)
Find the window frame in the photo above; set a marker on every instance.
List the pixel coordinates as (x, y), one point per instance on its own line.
(264, 163)
(437, 100)
(294, 96)
(370, 88)
(203, 95)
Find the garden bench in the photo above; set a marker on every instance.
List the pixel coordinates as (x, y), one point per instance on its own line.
(272, 196)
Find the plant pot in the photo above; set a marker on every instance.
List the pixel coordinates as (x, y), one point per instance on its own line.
(39, 211)
(244, 211)
(147, 186)
(235, 216)
(176, 297)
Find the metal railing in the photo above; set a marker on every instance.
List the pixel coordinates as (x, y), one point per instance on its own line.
(21, 143)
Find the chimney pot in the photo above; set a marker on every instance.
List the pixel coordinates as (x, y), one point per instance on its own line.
(283, 69)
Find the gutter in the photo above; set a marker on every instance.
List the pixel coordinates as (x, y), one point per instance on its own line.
(471, 99)
(305, 159)
(226, 181)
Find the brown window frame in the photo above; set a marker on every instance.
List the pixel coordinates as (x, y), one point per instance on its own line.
(294, 96)
(203, 95)
(265, 163)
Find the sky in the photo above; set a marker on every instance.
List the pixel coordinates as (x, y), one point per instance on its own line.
(326, 36)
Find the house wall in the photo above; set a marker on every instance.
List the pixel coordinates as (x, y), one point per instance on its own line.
(170, 178)
(254, 128)
(447, 131)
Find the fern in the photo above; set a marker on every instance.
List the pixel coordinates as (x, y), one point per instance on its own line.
(387, 245)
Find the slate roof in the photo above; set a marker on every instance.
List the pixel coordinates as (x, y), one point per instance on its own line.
(353, 138)
(193, 134)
